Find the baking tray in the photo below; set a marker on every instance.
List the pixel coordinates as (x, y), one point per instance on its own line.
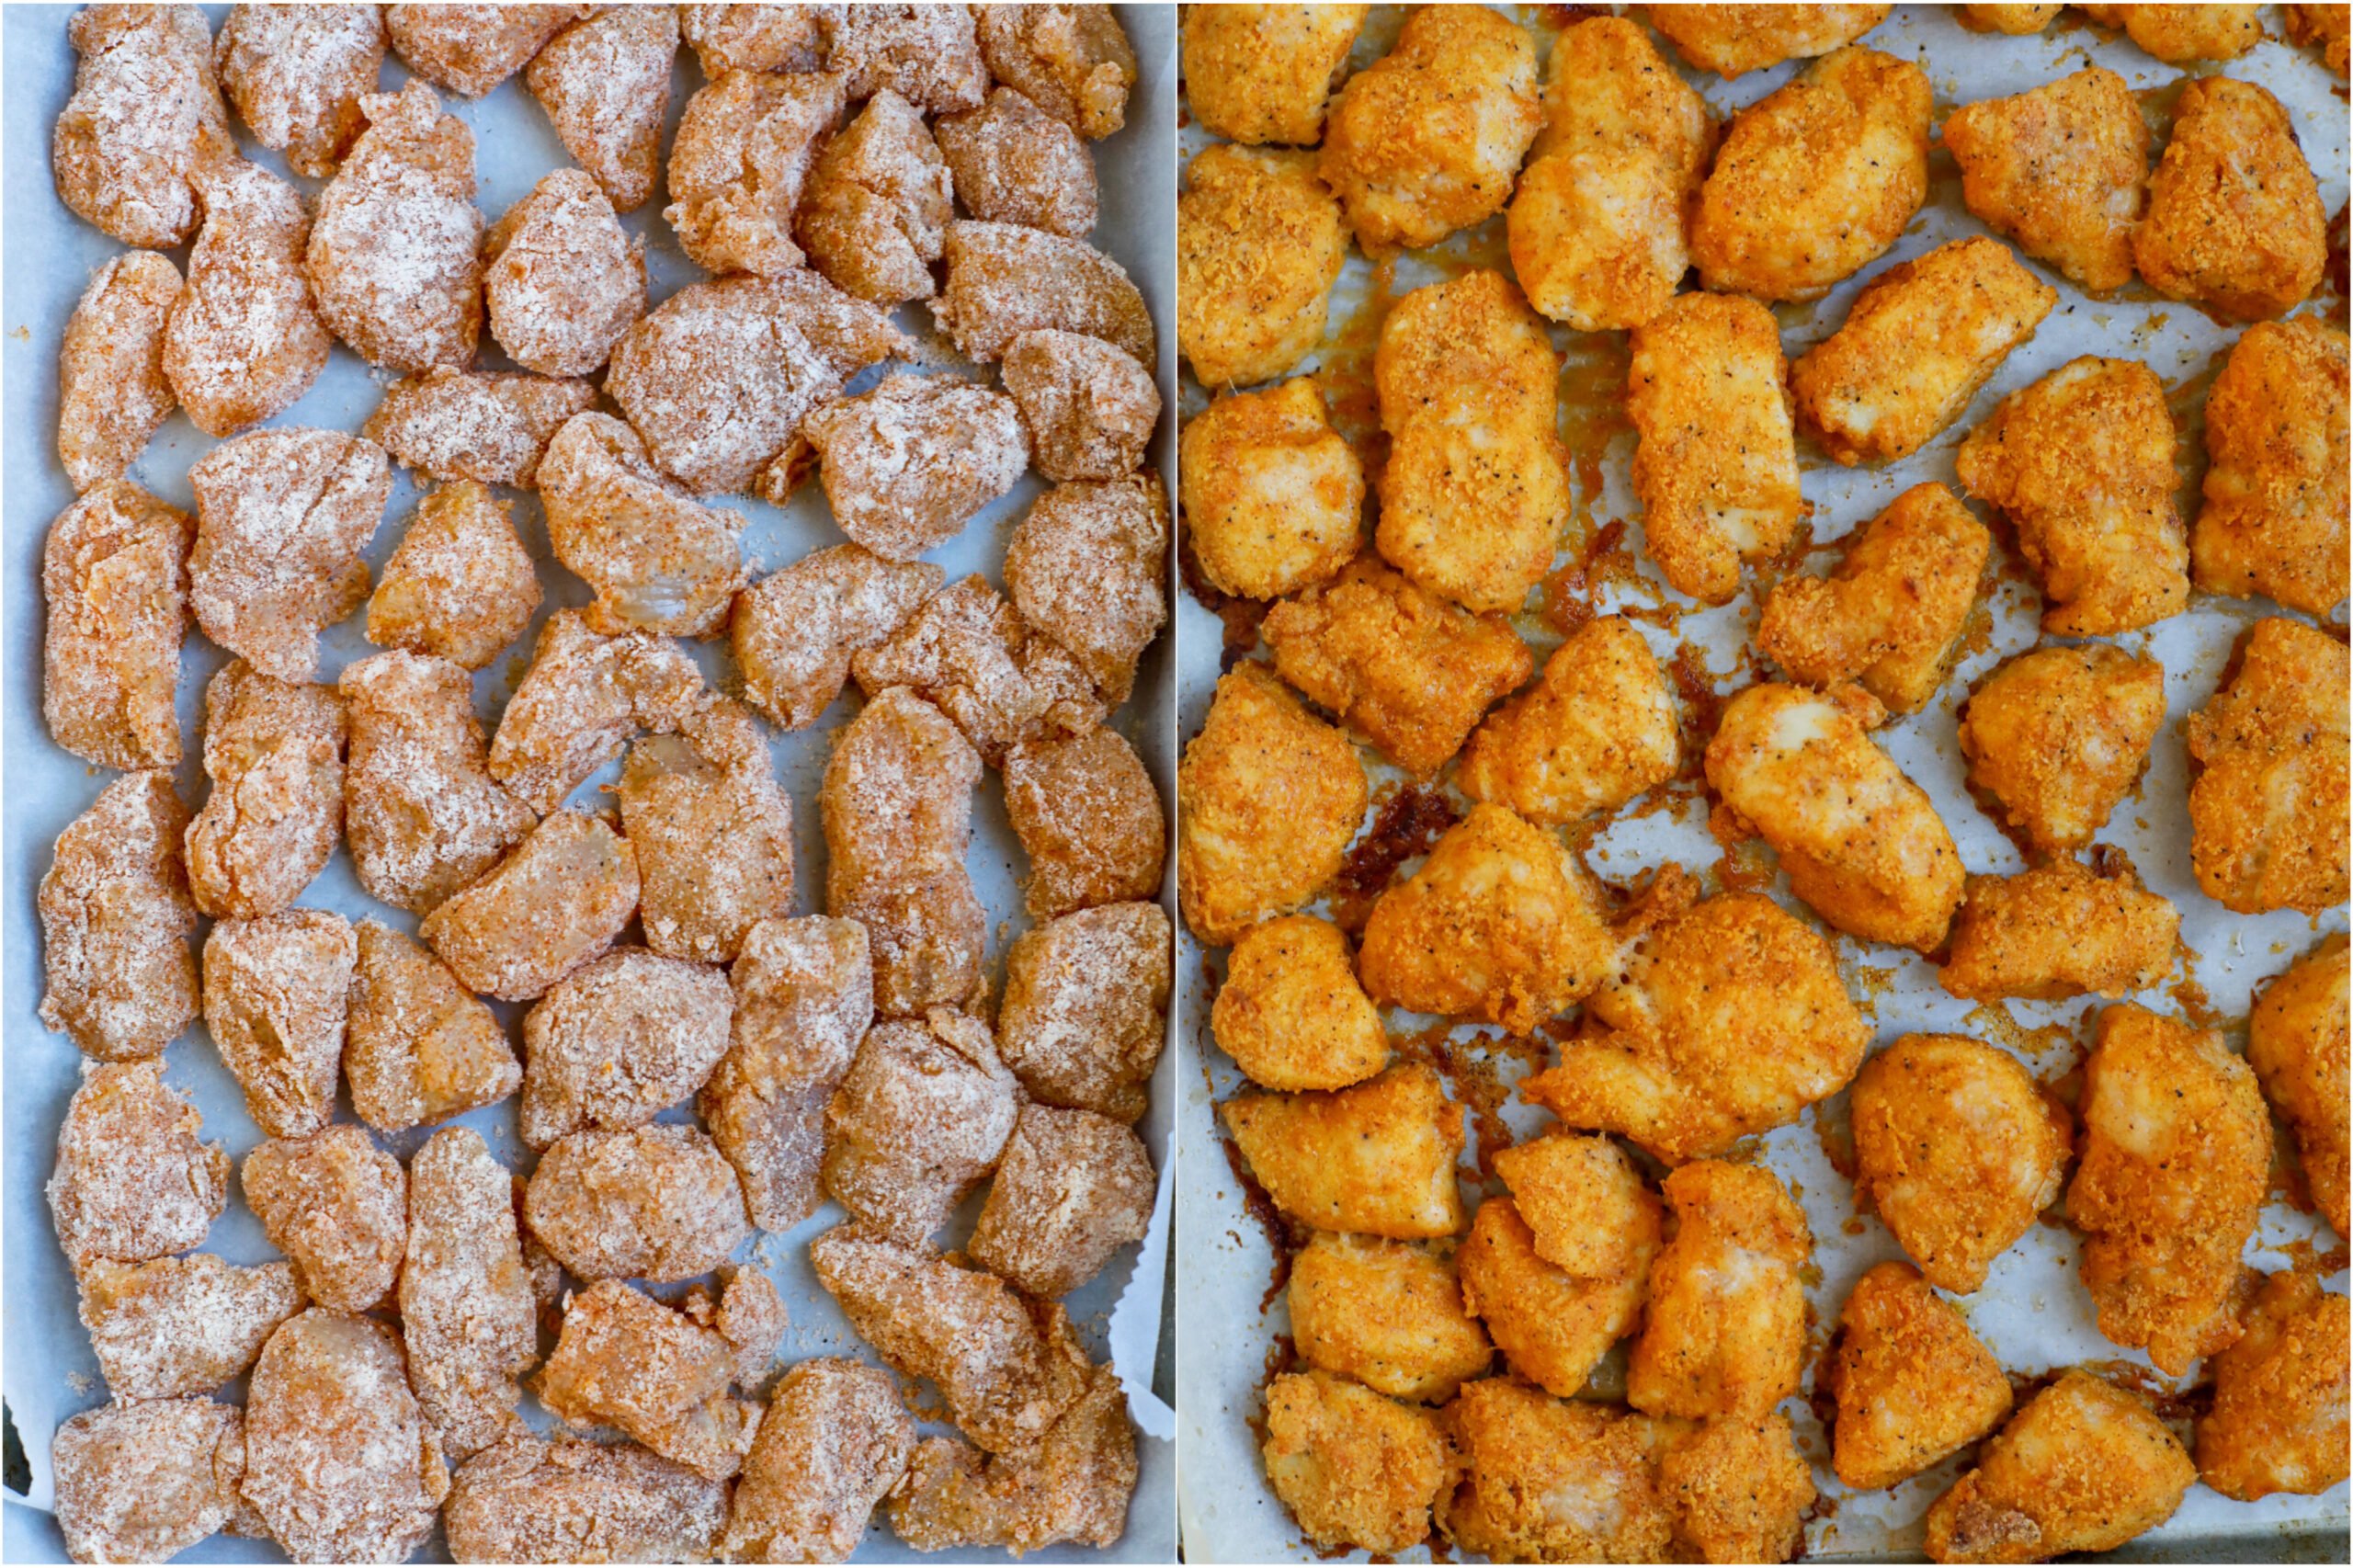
(47, 258)
(2032, 1312)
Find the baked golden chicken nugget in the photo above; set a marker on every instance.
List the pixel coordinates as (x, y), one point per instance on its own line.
(1427, 139)
(1816, 179)
(1733, 39)
(561, 279)
(114, 388)
(144, 122)
(1378, 1158)
(2017, 21)
(2060, 929)
(1552, 1325)
(1715, 456)
(2278, 1423)
(1739, 1490)
(471, 49)
(460, 586)
(1259, 243)
(1355, 1469)
(2061, 170)
(1292, 1013)
(1386, 1313)
(2181, 34)
(133, 1180)
(1520, 1456)
(116, 915)
(1913, 1384)
(297, 73)
(530, 1499)
(2057, 735)
(2268, 804)
(604, 84)
(1273, 496)
(2274, 517)
(2323, 29)
(114, 581)
(2236, 223)
(1597, 729)
(273, 750)
(1005, 280)
(1725, 1329)
(1583, 1203)
(2296, 1043)
(1257, 74)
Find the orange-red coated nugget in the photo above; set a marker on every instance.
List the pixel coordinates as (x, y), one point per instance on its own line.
(561, 279)
(1552, 1325)
(660, 1374)
(927, 54)
(1354, 1470)
(2085, 1466)
(1085, 1010)
(1733, 39)
(755, 37)
(1581, 1201)
(1010, 162)
(1386, 1313)
(658, 560)
(276, 996)
(1073, 62)
(548, 909)
(2059, 171)
(466, 1303)
(1956, 1187)
(833, 1443)
(2058, 735)
(795, 632)
(1073, 1486)
(1259, 73)
(2266, 808)
(742, 158)
(619, 1040)
(1540, 1480)
(131, 1181)
(2176, 1153)
(907, 465)
(138, 1483)
(917, 1123)
(712, 830)
(961, 651)
(581, 700)
(1597, 729)
(1737, 1491)
(1292, 1013)
(1073, 1187)
(340, 1462)
(492, 427)
(1725, 1334)
(1005, 280)
(274, 752)
(1715, 456)
(2017, 21)
(471, 49)
(2235, 223)
(879, 202)
(2274, 517)
(113, 391)
(897, 804)
(114, 579)
(657, 1203)
(1913, 1384)
(2180, 34)
(461, 585)
(418, 1048)
(337, 1206)
(1090, 820)
(1260, 243)
(1272, 493)
(2296, 1043)
(1816, 179)
(393, 253)
(2058, 930)
(2278, 1423)
(1377, 1158)
(605, 83)
(2323, 29)
(297, 74)
(181, 1325)
(144, 122)
(1087, 566)
(1916, 344)
(1862, 843)
(1087, 409)
(244, 339)
(116, 915)
(281, 517)
(528, 1499)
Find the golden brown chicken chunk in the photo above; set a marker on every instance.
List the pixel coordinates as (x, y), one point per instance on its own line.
(2058, 735)
(2326, 28)
(1086, 996)
(139, 1482)
(1540, 1480)
(115, 918)
(1388, 1314)
(918, 1122)
(1355, 1469)
(875, 214)
(132, 1181)
(1005, 280)
(2059, 171)
(658, 560)
(528, 1499)
(2235, 223)
(1257, 74)
(1815, 180)
(1597, 729)
(662, 1374)
(1715, 459)
(1739, 1490)
(274, 753)
(1073, 62)
(1071, 1190)
(561, 279)
(2279, 1424)
(1378, 1158)
(1291, 1012)
(113, 388)
(2274, 517)
(1725, 1329)
(2017, 21)
(2296, 1043)
(1089, 409)
(1554, 1324)
(1733, 39)
(490, 427)
(2180, 34)
(550, 908)
(604, 84)
(1087, 566)
(114, 581)
(466, 1304)
(337, 1206)
(1259, 245)
(297, 74)
(460, 586)
(658, 1203)
(175, 1326)
(1913, 1384)
(2267, 807)
(471, 49)
(274, 1000)
(1272, 495)
(613, 1044)
(2058, 930)
(145, 123)
(1073, 1486)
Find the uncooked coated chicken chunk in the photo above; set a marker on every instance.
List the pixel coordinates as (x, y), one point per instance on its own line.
(466, 1303)
(1083, 1016)
(297, 74)
(114, 581)
(1005, 280)
(662, 1374)
(917, 1123)
(174, 1326)
(1073, 62)
(550, 908)
(528, 1499)
(875, 213)
(712, 830)
(132, 1181)
(833, 1443)
(929, 55)
(471, 49)
(739, 165)
(492, 427)
(113, 390)
(2266, 808)
(274, 752)
(144, 122)
(1089, 409)
(605, 83)
(1071, 1190)
(141, 1482)
(1089, 817)
(1087, 567)
(459, 586)
(245, 340)
(275, 999)
(1010, 162)
(561, 279)
(2061, 170)
(658, 1203)
(1259, 245)
(658, 560)
(907, 465)
(621, 1040)
(115, 918)
(795, 633)
(1073, 1487)
(337, 1206)
(582, 698)
(755, 38)
(961, 651)
(2058, 735)
(419, 1048)
(1377, 1158)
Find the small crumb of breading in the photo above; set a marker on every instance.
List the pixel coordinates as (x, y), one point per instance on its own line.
(1273, 496)
(459, 586)
(2061, 170)
(2278, 1423)
(2297, 1045)
(114, 583)
(2058, 930)
(1913, 1384)
(1291, 1012)
(1377, 1158)
(1732, 40)
(1085, 1010)
(2274, 521)
(1541, 1480)
(1386, 1313)
(1724, 1335)
(561, 279)
(1260, 241)
(273, 751)
(876, 209)
(1260, 74)
(1355, 1469)
(276, 997)
(2267, 800)
(113, 390)
(114, 919)
(550, 908)
(1552, 1325)
(2235, 223)
(2058, 735)
(492, 427)
(1071, 1190)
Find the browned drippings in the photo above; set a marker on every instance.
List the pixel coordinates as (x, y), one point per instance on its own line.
(1833, 1129)
(1704, 708)
(1283, 1239)
(1473, 1068)
(1406, 824)
(1746, 867)
(2340, 258)
(1240, 616)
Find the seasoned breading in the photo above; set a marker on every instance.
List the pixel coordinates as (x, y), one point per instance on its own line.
(174, 1326)
(960, 651)
(460, 586)
(1912, 1383)
(1073, 62)
(662, 1374)
(1733, 39)
(2016, 20)
(1739, 1490)
(712, 830)
(2296, 1043)
(927, 54)
(1075, 1486)
(550, 908)
(113, 388)
(755, 37)
(133, 1179)
(1083, 1016)
(1089, 409)
(1724, 1333)
(604, 84)
(337, 1206)
(2268, 805)
(1005, 280)
(2057, 736)
(114, 581)
(876, 211)
(1259, 245)
(1354, 1470)
(1552, 1325)
(2180, 35)
(274, 753)
(2324, 28)
(1540, 1480)
(145, 123)
(1257, 74)
(1386, 1313)
(1273, 496)
(1071, 1190)
(2278, 1423)
(1597, 729)
(2061, 170)
(1291, 1012)
(274, 1001)
(141, 1482)
(297, 74)
(582, 698)
(658, 1203)
(1378, 1158)
(490, 427)
(658, 560)
(835, 1439)
(2274, 519)
(561, 279)
(2236, 223)
(2058, 930)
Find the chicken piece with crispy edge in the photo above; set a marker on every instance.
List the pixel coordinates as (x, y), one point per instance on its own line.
(1273, 496)
(2268, 797)
(274, 1001)
(1083, 1017)
(1542, 1480)
(113, 393)
(795, 632)
(1260, 74)
(296, 74)
(2016, 22)
(466, 1303)
(621, 1039)
(2058, 930)
(1732, 40)
(1071, 1190)
(2273, 521)
(1259, 245)
(1912, 1383)
(1073, 1487)
(2061, 170)
(337, 1207)
(174, 1326)
(273, 751)
(1010, 162)
(712, 830)
(1376, 1158)
(835, 1440)
(132, 1181)
(604, 84)
(874, 214)
(1355, 1469)
(144, 122)
(114, 583)
(2234, 221)
(2322, 28)
(2181, 35)
(2278, 1422)
(1073, 62)
(1005, 280)
(1291, 1012)
(562, 281)
(1737, 1491)
(1552, 1325)
(918, 1122)
(2296, 1043)
(658, 560)
(530, 1499)
(2057, 736)
(552, 907)
(459, 585)
(1724, 1335)
(1387, 1313)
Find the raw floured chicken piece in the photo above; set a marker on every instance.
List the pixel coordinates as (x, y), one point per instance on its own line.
(1089, 409)
(274, 752)
(466, 1304)
(142, 1482)
(181, 1325)
(1089, 817)
(419, 1047)
(1073, 62)
(927, 54)
(471, 49)
(712, 830)
(492, 427)
(605, 83)
(917, 1123)
(144, 121)
(757, 37)
(297, 73)
(907, 465)
(794, 632)
(114, 579)
(459, 586)
(275, 991)
(1075, 1488)
(113, 390)
(742, 158)
(656, 1203)
(245, 340)
(658, 560)
(116, 916)
(1086, 996)
(1071, 1190)
(961, 651)
(550, 908)
(561, 279)
(133, 1182)
(339, 1207)
(583, 697)
(1005, 280)
(875, 213)
(1087, 567)
(528, 1499)
(1012, 163)
(621, 1040)
(834, 1442)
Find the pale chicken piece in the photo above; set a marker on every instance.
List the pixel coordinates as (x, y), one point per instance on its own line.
(145, 123)
(116, 915)
(418, 1048)
(1476, 486)
(2058, 735)
(1291, 1012)
(1409, 671)
(907, 465)
(614, 1044)
(604, 84)
(1552, 1325)
(2296, 1043)
(1725, 1332)
(960, 650)
(1090, 819)
(132, 1181)
(928, 55)
(174, 1326)
(1273, 496)
(274, 753)
(2180, 35)
(1862, 844)
(1388, 1314)
(1266, 802)
(1377, 1158)
(1259, 73)
(336, 1205)
(1073, 62)
(1012, 163)
(1074, 1487)
(1890, 616)
(1912, 1383)
(712, 831)
(658, 560)
(658, 1203)
(2268, 803)
(2274, 519)
(296, 74)
(581, 701)
(275, 991)
(527, 1499)
(755, 38)
(796, 631)
(2235, 223)
(1733, 39)
(1542, 1480)
(918, 1122)
(1427, 139)
(561, 279)
(114, 581)
(490, 427)
(1005, 280)
(1086, 998)
(2084, 1466)
(662, 1374)
(466, 1303)
(1958, 1148)
(459, 586)
(113, 391)
(2061, 170)
(2058, 930)
(1089, 411)
(2278, 1422)
(2323, 29)
(471, 49)
(833, 1441)
(875, 212)
(1715, 456)
(1070, 1190)
(2017, 21)
(1355, 1469)
(1815, 181)
(550, 908)
(1917, 344)
(1260, 243)
(142, 1482)
(1501, 924)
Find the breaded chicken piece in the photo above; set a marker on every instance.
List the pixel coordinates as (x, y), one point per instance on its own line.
(2085, 1466)
(959, 651)
(1916, 347)
(1075, 1486)
(662, 1374)
(337, 1207)
(133, 1180)
(2058, 930)
(712, 830)
(2181, 34)
(2296, 1043)
(471, 49)
(604, 84)
(273, 750)
(174, 1326)
(1266, 802)
(2268, 807)
(1721, 1020)
(876, 211)
(2016, 20)
(1583, 1202)
(550, 908)
(562, 281)
(2057, 735)
(1273, 496)
(1010, 162)
(1089, 818)
(1259, 243)
(582, 698)
(908, 463)
(755, 37)
(1291, 1012)
(1259, 73)
(1089, 410)
(1715, 459)
(1733, 39)
(1071, 1190)
(275, 1002)
(1426, 139)
(2278, 1423)
(1502, 924)
(419, 1047)
(114, 586)
(658, 560)
(739, 162)
(1378, 1158)
(794, 631)
(460, 586)
(492, 427)
(1862, 843)
(2177, 1156)
(1476, 486)
(114, 388)
(2236, 223)
(1738, 1491)
(1086, 998)
(1545, 1480)
(2274, 519)
(1891, 616)
(1086, 566)
(1354, 1470)
(145, 122)
(1913, 1384)
(917, 1123)
(929, 55)
(1073, 62)
(2059, 171)
(1597, 729)
(1005, 280)
(1389, 1314)
(1816, 179)
(1553, 1324)
(835, 1439)
(1725, 1334)
(527, 1499)
(2082, 463)
(2324, 28)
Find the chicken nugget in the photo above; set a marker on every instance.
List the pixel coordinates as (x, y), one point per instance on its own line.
(1724, 1335)
(142, 1482)
(927, 54)
(144, 122)
(1354, 1470)
(2274, 519)
(337, 1206)
(1389, 1314)
(459, 586)
(471, 49)
(1273, 496)
(2180, 35)
(1090, 819)
(1291, 1012)
(296, 74)
(1733, 39)
(659, 1373)
(1260, 243)
(1010, 162)
(658, 560)
(132, 1181)
(755, 38)
(2235, 223)
(1259, 73)
(656, 1203)
(1912, 1384)
(174, 1326)
(1552, 1325)
(490, 427)
(1005, 280)
(2296, 1043)
(795, 632)
(580, 702)
(2267, 803)
(1596, 730)
(529, 1499)
(1377, 1158)
(550, 908)
(1519, 1456)
(466, 1304)
(1075, 1486)
(918, 1122)
(2058, 735)
(2278, 1423)
(561, 279)
(1089, 409)
(274, 752)
(1084, 1012)
(2017, 21)
(614, 1044)
(2323, 29)
(116, 915)
(2061, 170)
(1737, 1491)
(604, 84)
(875, 212)
(741, 160)
(274, 1000)
(907, 465)
(114, 389)
(1071, 1189)
(1073, 62)
(835, 1440)
(114, 581)
(2058, 930)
